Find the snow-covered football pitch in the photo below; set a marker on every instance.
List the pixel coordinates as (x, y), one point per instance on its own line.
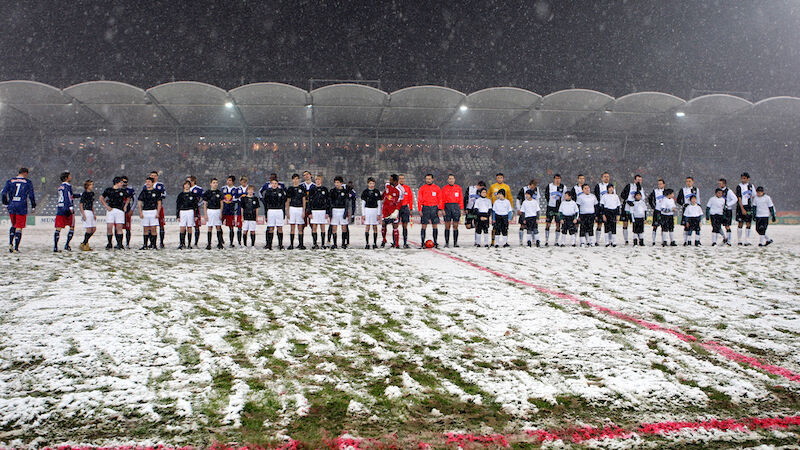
(617, 347)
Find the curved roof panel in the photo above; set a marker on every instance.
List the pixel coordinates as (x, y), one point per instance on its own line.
(271, 104)
(426, 107)
(348, 105)
(194, 104)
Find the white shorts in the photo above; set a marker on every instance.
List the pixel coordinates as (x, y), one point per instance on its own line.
(187, 218)
(370, 216)
(249, 225)
(214, 218)
(318, 217)
(150, 218)
(337, 217)
(115, 216)
(274, 217)
(90, 221)
(296, 215)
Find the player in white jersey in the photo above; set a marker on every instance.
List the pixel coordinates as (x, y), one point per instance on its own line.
(638, 213)
(668, 208)
(694, 214)
(683, 199)
(610, 207)
(628, 193)
(731, 202)
(587, 207)
(654, 200)
(600, 190)
(744, 210)
(568, 216)
(500, 212)
(715, 213)
(482, 207)
(764, 210)
(529, 213)
(533, 189)
(553, 194)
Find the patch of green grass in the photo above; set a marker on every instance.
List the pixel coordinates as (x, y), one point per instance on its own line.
(245, 323)
(327, 416)
(254, 414)
(721, 326)
(662, 367)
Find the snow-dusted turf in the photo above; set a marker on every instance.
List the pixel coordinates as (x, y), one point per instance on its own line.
(246, 345)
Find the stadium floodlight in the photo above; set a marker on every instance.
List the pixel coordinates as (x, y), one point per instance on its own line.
(680, 114)
(463, 108)
(229, 104)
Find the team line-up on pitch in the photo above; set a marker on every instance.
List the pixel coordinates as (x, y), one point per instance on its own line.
(579, 211)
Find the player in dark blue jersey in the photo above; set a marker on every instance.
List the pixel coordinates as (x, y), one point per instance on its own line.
(159, 186)
(268, 185)
(87, 214)
(198, 191)
(114, 199)
(65, 211)
(16, 194)
(149, 203)
(129, 210)
(231, 215)
(296, 194)
(307, 184)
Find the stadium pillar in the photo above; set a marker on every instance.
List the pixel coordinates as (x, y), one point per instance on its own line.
(244, 143)
(624, 146)
(441, 142)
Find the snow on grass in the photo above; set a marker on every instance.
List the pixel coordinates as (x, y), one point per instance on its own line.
(247, 345)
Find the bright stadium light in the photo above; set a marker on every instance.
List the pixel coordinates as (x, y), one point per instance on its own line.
(680, 114)
(463, 108)
(229, 104)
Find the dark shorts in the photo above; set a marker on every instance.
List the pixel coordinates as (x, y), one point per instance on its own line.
(667, 222)
(550, 213)
(717, 222)
(567, 225)
(429, 214)
(610, 223)
(656, 218)
(500, 225)
(625, 216)
(728, 217)
(469, 219)
(745, 218)
(405, 214)
(587, 221)
(482, 223)
(638, 224)
(452, 212)
(693, 224)
(531, 224)
(761, 225)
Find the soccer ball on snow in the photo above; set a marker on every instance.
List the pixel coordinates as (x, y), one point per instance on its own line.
(429, 244)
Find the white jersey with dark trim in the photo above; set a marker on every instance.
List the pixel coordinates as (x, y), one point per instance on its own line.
(746, 191)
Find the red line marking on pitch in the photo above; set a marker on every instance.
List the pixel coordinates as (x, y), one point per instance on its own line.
(716, 347)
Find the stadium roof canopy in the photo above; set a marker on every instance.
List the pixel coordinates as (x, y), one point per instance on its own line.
(109, 105)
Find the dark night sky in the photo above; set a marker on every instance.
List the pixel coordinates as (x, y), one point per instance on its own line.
(617, 47)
